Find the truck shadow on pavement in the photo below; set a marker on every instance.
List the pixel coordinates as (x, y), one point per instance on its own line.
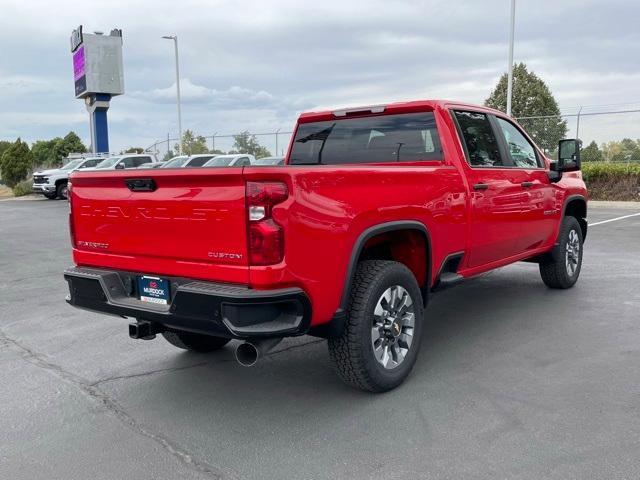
(464, 325)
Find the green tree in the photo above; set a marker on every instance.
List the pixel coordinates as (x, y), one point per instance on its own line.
(630, 150)
(44, 152)
(591, 153)
(192, 144)
(168, 156)
(16, 163)
(611, 151)
(3, 146)
(71, 143)
(246, 143)
(531, 98)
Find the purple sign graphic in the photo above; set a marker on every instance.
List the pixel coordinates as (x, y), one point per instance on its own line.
(78, 64)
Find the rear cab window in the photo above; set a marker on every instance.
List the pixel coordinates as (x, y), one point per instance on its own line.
(406, 137)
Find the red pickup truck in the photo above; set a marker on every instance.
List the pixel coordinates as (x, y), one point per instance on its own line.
(374, 209)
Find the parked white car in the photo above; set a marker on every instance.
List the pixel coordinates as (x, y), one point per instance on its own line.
(235, 160)
(269, 161)
(121, 162)
(189, 161)
(53, 183)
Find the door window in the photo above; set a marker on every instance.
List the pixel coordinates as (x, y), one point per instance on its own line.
(91, 163)
(521, 151)
(138, 161)
(479, 139)
(200, 161)
(128, 162)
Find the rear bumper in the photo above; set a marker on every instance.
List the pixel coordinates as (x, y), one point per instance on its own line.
(203, 307)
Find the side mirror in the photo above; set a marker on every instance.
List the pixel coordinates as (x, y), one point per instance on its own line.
(120, 166)
(569, 155)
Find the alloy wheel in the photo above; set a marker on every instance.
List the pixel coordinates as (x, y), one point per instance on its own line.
(393, 327)
(572, 256)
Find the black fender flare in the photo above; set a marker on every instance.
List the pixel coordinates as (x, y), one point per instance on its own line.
(583, 222)
(335, 326)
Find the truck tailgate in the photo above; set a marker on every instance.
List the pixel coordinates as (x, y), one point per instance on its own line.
(179, 222)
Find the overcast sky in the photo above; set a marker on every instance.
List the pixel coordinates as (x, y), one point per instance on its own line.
(255, 65)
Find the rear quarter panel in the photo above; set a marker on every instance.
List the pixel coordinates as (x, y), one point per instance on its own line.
(330, 206)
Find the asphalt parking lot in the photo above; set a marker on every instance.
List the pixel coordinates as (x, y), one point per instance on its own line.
(514, 381)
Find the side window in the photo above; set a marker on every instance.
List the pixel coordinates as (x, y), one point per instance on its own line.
(522, 153)
(128, 162)
(200, 161)
(479, 139)
(246, 162)
(91, 163)
(141, 161)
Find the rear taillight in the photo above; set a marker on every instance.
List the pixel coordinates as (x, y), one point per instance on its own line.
(72, 230)
(266, 239)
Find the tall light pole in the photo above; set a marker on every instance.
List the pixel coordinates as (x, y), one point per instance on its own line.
(510, 74)
(175, 44)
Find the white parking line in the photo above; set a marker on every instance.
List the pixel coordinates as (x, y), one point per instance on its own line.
(614, 219)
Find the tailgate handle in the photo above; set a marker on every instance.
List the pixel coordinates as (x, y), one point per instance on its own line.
(141, 184)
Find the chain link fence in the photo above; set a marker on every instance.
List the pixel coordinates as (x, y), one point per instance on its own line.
(603, 127)
(276, 142)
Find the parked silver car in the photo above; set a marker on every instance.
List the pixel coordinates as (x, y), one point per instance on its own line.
(189, 161)
(232, 160)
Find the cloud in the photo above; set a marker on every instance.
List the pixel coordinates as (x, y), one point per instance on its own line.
(232, 97)
(258, 66)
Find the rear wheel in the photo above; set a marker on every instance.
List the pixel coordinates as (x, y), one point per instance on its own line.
(194, 341)
(381, 339)
(561, 267)
(62, 191)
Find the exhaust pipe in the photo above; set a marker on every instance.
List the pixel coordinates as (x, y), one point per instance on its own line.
(248, 353)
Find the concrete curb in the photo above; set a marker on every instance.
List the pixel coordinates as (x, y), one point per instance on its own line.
(609, 204)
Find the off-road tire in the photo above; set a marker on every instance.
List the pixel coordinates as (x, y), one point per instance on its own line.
(553, 267)
(51, 196)
(194, 341)
(352, 353)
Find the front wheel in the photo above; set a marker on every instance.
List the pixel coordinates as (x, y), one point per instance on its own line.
(194, 341)
(381, 338)
(51, 196)
(561, 267)
(62, 191)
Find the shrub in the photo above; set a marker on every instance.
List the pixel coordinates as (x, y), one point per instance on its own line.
(612, 181)
(16, 163)
(23, 188)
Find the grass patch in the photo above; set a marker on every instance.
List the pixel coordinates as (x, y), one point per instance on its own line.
(612, 181)
(23, 188)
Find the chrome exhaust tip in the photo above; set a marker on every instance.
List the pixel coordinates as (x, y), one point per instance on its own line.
(248, 353)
